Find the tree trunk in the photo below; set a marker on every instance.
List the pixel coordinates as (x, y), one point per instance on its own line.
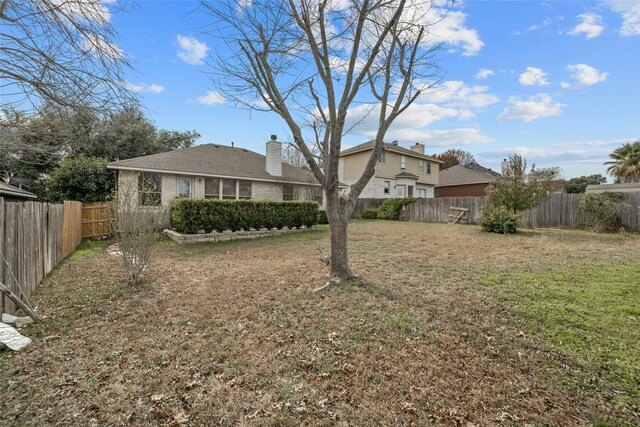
(338, 217)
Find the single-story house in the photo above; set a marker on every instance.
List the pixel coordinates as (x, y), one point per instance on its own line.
(468, 180)
(14, 194)
(629, 187)
(213, 171)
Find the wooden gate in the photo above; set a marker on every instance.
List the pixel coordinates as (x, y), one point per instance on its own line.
(96, 220)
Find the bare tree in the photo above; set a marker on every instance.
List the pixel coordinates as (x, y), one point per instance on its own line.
(312, 62)
(58, 54)
(134, 225)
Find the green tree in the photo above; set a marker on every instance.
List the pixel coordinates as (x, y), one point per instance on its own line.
(84, 179)
(625, 163)
(518, 190)
(453, 157)
(579, 184)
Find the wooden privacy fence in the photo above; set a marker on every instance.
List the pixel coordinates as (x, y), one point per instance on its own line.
(34, 238)
(96, 220)
(438, 209)
(362, 204)
(562, 211)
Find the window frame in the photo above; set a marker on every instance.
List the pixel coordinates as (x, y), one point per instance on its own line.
(239, 185)
(420, 167)
(428, 167)
(382, 157)
(403, 162)
(386, 187)
(155, 180)
(187, 179)
(216, 186)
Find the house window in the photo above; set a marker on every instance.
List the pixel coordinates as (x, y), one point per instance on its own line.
(244, 190)
(184, 187)
(421, 192)
(287, 191)
(421, 167)
(428, 167)
(403, 162)
(382, 157)
(387, 187)
(319, 195)
(212, 188)
(229, 189)
(149, 189)
(410, 191)
(400, 191)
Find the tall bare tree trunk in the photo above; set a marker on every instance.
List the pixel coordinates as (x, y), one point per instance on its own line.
(338, 215)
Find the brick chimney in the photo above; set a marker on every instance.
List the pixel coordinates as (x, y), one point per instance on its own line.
(418, 148)
(274, 156)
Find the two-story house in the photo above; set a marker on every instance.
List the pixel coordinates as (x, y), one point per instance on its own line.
(400, 172)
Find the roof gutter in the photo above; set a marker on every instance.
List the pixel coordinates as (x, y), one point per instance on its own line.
(207, 175)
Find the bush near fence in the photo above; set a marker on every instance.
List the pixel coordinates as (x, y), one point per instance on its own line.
(191, 216)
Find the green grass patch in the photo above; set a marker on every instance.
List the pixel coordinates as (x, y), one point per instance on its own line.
(591, 313)
(88, 248)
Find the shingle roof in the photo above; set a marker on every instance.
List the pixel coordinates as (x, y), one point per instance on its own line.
(389, 147)
(215, 160)
(471, 174)
(10, 190)
(406, 174)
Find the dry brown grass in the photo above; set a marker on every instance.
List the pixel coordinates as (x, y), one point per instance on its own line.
(232, 334)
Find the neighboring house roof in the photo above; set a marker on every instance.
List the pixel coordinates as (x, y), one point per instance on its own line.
(217, 161)
(10, 190)
(389, 147)
(628, 187)
(464, 175)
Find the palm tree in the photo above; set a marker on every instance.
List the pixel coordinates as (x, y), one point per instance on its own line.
(625, 163)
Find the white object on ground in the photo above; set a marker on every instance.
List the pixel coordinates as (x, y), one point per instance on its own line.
(8, 318)
(12, 338)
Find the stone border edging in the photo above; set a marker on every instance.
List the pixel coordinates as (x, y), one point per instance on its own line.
(228, 235)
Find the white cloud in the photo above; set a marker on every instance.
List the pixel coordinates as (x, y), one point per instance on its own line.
(630, 12)
(565, 85)
(100, 47)
(441, 138)
(530, 109)
(456, 93)
(591, 26)
(145, 88)
(587, 75)
(211, 98)
(483, 73)
(191, 50)
(533, 77)
(450, 27)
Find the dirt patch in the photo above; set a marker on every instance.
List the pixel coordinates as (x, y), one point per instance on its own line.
(234, 335)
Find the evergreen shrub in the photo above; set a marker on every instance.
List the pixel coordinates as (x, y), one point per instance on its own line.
(189, 216)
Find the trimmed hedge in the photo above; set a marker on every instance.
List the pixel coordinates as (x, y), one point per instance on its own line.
(499, 220)
(322, 217)
(190, 216)
(391, 208)
(371, 213)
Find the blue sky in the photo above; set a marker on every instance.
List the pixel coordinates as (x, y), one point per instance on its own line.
(555, 81)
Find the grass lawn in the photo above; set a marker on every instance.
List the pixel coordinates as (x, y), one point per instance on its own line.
(446, 325)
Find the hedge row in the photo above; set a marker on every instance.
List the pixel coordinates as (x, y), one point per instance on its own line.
(193, 215)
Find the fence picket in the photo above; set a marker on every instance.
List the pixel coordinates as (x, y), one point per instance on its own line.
(34, 237)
